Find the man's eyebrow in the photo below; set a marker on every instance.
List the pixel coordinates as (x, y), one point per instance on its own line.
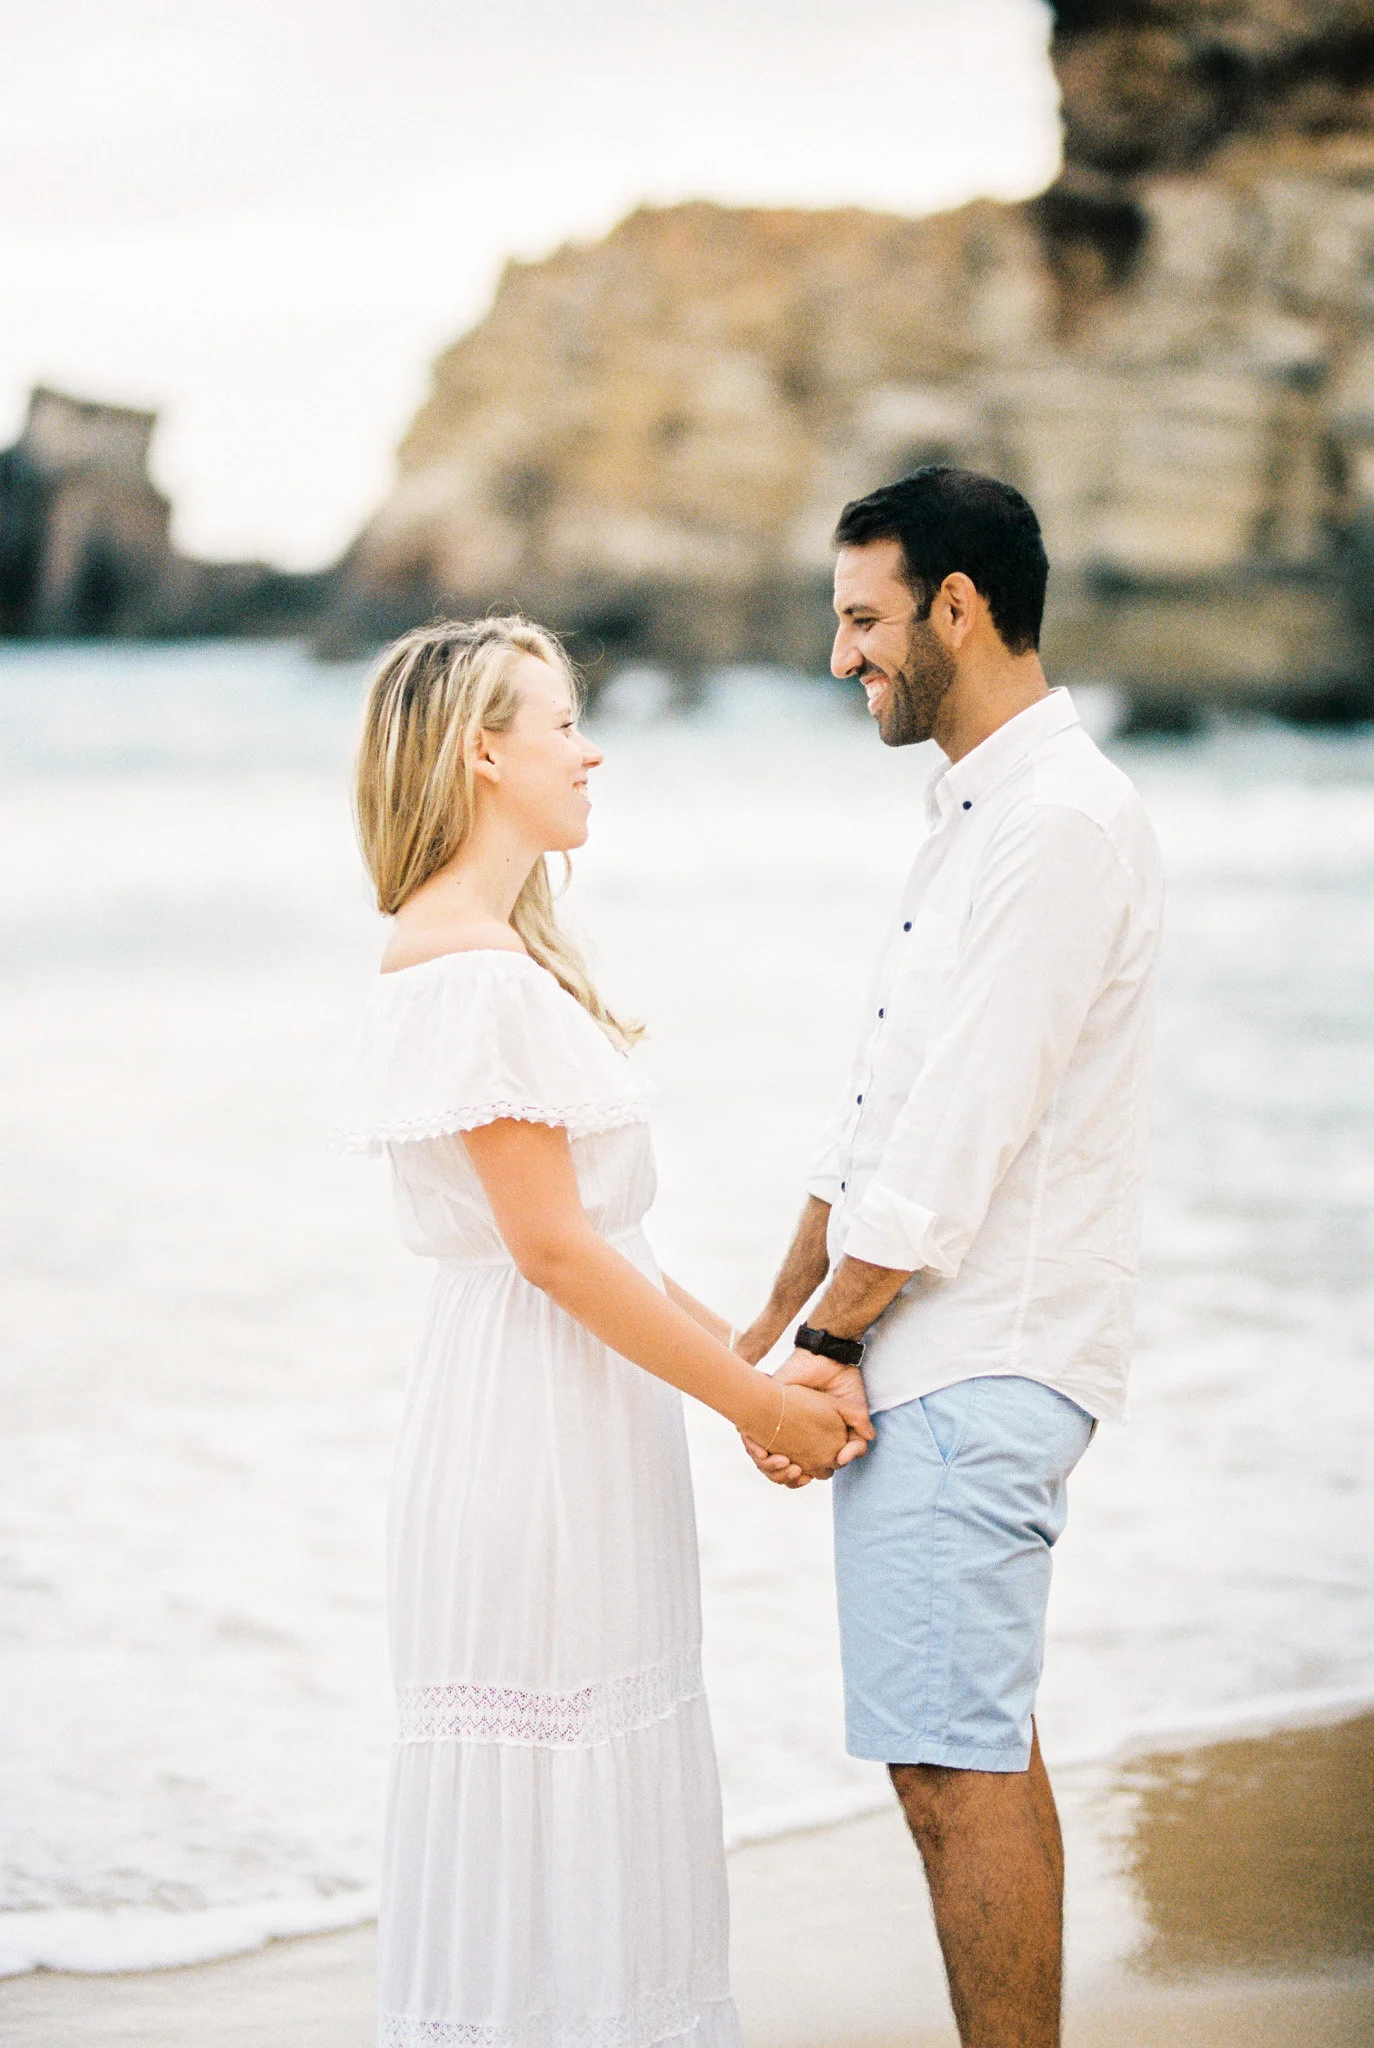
(847, 611)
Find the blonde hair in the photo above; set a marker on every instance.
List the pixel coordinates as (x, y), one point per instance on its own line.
(433, 691)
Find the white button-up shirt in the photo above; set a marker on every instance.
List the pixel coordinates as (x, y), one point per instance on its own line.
(991, 1138)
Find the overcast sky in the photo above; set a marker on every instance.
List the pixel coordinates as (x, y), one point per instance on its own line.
(266, 216)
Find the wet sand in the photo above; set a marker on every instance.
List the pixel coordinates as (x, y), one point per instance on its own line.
(1220, 1897)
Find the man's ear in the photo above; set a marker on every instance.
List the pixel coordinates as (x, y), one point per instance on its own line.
(956, 608)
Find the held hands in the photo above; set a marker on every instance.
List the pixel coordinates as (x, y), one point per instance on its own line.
(826, 1424)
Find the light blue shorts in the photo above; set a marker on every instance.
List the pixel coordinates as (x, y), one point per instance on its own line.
(943, 1534)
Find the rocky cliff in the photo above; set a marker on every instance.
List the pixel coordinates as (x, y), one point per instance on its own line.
(85, 549)
(1160, 84)
(1171, 351)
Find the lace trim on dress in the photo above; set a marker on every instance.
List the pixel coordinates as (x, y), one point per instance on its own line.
(548, 1720)
(580, 1120)
(657, 2016)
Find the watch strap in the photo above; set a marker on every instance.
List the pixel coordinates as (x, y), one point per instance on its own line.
(843, 1350)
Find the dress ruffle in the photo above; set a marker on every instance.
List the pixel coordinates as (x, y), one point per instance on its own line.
(658, 2019)
(472, 1038)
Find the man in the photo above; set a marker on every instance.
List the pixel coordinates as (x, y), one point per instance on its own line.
(973, 1216)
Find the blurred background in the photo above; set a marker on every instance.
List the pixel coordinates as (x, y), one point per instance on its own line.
(319, 320)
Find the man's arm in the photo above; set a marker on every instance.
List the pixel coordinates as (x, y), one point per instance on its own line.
(799, 1275)
(856, 1297)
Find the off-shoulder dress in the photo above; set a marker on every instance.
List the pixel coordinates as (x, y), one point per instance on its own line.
(553, 1869)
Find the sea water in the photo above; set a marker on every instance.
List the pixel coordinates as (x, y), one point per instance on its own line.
(207, 1319)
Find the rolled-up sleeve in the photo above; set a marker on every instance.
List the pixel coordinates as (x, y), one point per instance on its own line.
(1050, 904)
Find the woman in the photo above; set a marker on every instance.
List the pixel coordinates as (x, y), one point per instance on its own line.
(553, 1871)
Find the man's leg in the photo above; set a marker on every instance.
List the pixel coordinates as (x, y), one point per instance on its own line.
(943, 1535)
(994, 1861)
(1047, 1813)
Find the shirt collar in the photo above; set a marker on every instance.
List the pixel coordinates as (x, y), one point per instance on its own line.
(959, 786)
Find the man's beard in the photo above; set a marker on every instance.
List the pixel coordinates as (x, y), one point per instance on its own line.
(918, 689)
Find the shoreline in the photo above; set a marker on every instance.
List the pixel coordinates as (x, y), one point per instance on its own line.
(133, 1941)
(1218, 1895)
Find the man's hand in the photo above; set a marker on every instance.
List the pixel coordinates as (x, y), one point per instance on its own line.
(845, 1385)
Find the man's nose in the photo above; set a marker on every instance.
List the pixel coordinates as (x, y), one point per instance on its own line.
(844, 660)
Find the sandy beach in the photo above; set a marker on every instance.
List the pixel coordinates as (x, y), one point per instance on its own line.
(1219, 1897)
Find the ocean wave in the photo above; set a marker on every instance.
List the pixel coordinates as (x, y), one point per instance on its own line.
(95, 1943)
(1224, 1721)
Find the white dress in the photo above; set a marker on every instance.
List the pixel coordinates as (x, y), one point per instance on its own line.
(553, 1870)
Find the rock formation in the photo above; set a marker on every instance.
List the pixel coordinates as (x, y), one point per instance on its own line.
(642, 437)
(1152, 85)
(1171, 351)
(85, 548)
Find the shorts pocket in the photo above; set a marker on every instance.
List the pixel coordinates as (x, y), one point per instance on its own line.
(947, 1412)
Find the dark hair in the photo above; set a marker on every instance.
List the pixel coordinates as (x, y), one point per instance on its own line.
(949, 520)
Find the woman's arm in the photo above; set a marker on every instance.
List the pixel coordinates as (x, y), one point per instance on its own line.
(527, 1173)
(705, 1318)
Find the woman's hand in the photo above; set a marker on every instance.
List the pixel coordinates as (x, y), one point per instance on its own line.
(813, 1432)
(845, 1386)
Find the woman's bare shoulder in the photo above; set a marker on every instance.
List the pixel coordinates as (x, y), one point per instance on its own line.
(412, 944)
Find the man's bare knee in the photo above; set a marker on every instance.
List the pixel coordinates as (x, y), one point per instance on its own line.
(941, 1803)
(933, 1799)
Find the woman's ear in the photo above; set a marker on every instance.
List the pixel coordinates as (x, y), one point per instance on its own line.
(482, 758)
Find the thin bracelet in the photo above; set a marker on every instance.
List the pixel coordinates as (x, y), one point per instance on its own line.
(731, 1339)
(782, 1417)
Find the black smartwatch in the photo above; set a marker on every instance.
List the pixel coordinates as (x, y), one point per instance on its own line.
(844, 1350)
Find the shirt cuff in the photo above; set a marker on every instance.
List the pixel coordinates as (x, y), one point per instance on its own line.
(825, 1187)
(888, 1230)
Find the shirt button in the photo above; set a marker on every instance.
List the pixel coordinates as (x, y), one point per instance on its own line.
(967, 805)
(861, 1098)
(843, 1185)
(907, 926)
(882, 1013)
